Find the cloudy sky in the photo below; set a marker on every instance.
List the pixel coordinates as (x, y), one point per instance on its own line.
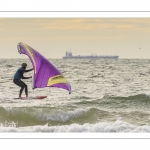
(52, 37)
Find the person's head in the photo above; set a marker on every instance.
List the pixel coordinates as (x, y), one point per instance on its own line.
(24, 65)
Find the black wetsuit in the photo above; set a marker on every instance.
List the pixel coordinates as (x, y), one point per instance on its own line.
(17, 80)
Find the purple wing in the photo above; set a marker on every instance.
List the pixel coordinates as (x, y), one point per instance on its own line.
(45, 73)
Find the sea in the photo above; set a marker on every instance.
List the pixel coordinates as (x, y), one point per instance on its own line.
(108, 96)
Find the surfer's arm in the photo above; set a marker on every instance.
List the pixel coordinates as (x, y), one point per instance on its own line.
(28, 70)
(21, 74)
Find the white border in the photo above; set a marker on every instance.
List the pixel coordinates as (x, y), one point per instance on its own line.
(74, 14)
(48, 135)
(74, 5)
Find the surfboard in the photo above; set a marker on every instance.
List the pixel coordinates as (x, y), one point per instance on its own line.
(32, 97)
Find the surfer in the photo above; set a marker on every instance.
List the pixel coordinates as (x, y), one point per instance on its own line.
(18, 76)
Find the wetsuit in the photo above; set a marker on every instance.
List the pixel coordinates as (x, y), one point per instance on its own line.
(17, 80)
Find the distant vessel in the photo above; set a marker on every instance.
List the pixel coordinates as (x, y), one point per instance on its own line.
(70, 56)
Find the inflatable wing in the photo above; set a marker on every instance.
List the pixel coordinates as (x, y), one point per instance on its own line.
(45, 73)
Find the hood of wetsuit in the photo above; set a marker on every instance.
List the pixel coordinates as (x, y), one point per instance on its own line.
(24, 65)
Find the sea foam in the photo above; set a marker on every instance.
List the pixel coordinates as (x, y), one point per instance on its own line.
(63, 116)
(101, 127)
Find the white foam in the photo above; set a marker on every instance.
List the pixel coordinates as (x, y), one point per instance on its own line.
(118, 126)
(147, 94)
(62, 116)
(4, 97)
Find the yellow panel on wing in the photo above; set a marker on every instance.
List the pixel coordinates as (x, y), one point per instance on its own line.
(56, 79)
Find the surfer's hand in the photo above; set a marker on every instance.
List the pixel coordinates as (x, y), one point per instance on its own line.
(31, 77)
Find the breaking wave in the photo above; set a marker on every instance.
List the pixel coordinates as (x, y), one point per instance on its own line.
(118, 126)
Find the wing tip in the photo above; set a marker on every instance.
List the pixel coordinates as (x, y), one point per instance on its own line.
(19, 48)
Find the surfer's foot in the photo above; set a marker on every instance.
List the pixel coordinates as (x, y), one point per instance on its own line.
(26, 95)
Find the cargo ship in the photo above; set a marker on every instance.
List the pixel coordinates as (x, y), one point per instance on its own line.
(70, 56)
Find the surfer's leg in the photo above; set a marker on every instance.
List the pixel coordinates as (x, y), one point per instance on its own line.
(17, 82)
(26, 88)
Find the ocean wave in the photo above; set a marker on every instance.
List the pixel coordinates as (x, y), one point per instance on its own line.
(27, 116)
(139, 102)
(110, 99)
(82, 97)
(102, 127)
(139, 97)
(62, 116)
(96, 76)
(9, 66)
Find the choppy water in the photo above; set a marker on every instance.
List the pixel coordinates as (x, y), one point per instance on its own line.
(107, 96)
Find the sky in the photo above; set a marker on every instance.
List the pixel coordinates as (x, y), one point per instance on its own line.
(52, 37)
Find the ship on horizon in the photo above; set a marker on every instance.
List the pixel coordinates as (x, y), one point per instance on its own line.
(70, 56)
